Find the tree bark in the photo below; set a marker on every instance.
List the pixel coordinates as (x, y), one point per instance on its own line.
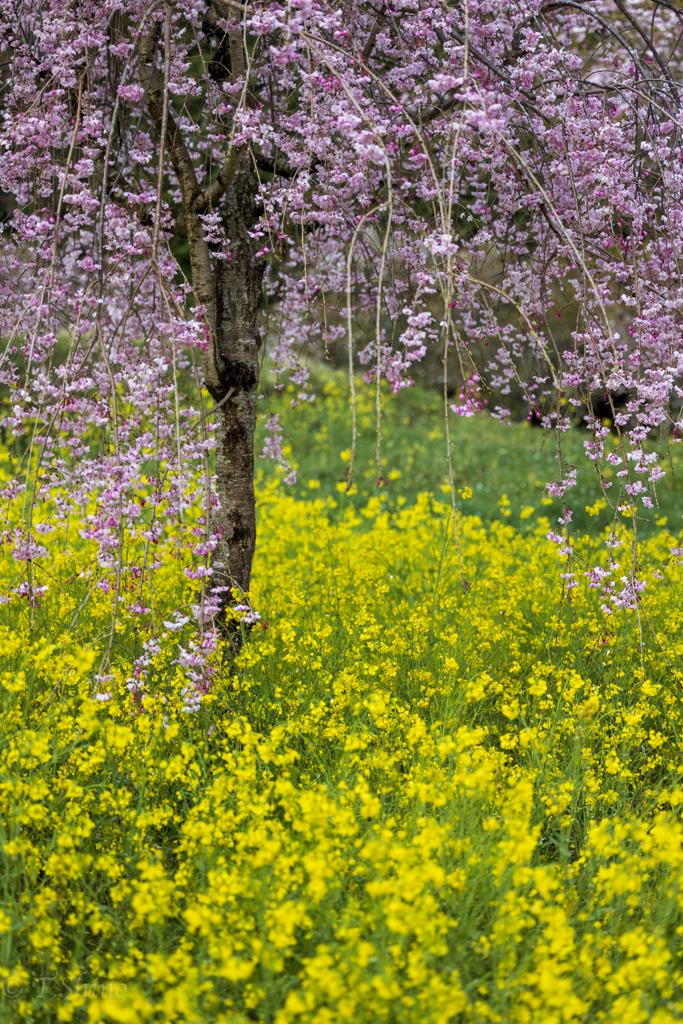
(238, 298)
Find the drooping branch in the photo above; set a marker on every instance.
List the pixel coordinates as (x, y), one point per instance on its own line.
(611, 30)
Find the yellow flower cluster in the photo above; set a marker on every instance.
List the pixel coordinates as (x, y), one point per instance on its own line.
(411, 801)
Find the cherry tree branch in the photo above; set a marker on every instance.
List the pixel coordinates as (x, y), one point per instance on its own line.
(202, 273)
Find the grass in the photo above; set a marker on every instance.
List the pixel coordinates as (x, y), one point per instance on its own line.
(488, 457)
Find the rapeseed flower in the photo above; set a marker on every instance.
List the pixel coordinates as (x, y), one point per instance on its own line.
(406, 801)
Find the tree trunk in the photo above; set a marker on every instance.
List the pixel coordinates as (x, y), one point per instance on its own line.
(238, 284)
(230, 297)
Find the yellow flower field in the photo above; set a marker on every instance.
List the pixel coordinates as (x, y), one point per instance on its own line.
(410, 802)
